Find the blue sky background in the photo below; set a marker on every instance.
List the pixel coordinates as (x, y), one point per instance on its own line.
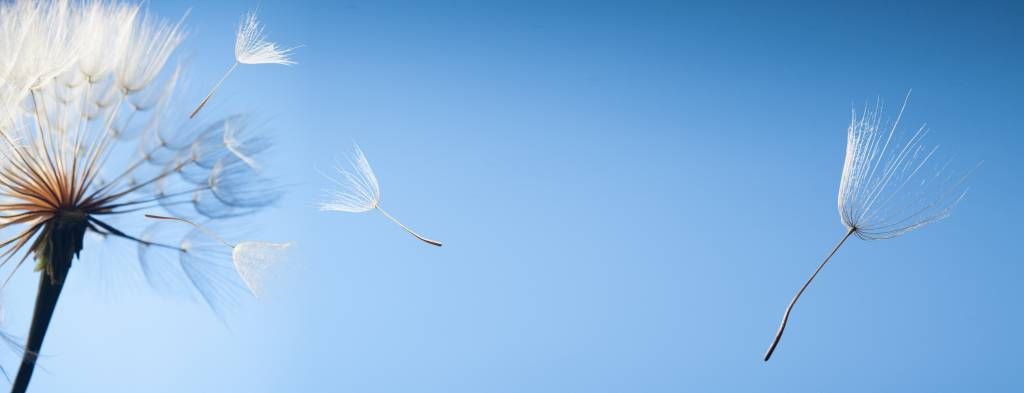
(629, 194)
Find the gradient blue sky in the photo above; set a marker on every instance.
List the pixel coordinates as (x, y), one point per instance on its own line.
(629, 194)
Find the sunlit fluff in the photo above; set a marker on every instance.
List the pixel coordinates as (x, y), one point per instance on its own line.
(359, 191)
(254, 259)
(251, 47)
(892, 184)
(91, 139)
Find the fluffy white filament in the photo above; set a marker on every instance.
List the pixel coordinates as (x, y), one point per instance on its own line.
(892, 182)
(37, 43)
(253, 259)
(359, 191)
(145, 55)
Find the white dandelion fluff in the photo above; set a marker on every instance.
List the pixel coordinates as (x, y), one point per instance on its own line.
(251, 47)
(892, 183)
(144, 56)
(109, 29)
(253, 259)
(359, 191)
(39, 43)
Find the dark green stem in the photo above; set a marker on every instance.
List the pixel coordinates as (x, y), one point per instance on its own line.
(55, 249)
(46, 303)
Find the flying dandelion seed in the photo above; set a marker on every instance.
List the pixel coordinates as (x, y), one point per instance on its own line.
(892, 183)
(251, 47)
(90, 138)
(360, 192)
(251, 259)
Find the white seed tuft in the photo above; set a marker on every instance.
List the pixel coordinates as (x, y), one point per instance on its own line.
(359, 189)
(251, 46)
(892, 182)
(253, 259)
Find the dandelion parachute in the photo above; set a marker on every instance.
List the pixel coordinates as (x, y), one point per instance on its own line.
(892, 183)
(251, 47)
(359, 191)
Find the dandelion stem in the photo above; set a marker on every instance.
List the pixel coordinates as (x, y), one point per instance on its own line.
(46, 303)
(407, 229)
(213, 90)
(785, 317)
(51, 282)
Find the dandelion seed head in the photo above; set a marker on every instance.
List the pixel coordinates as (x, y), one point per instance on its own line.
(93, 136)
(252, 47)
(893, 182)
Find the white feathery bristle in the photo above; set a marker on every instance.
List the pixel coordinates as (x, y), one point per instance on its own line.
(37, 41)
(253, 259)
(892, 182)
(147, 52)
(104, 30)
(251, 46)
(360, 191)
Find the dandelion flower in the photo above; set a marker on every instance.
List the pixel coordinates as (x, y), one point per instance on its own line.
(360, 192)
(892, 184)
(91, 140)
(251, 47)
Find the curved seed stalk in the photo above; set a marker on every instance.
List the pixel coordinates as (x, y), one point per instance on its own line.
(407, 229)
(789, 308)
